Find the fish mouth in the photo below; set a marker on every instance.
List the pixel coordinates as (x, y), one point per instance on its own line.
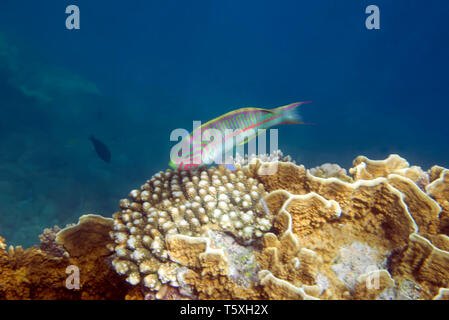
(172, 165)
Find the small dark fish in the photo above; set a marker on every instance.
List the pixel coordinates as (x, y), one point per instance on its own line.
(101, 149)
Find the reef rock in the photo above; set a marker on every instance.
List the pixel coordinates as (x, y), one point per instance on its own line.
(45, 273)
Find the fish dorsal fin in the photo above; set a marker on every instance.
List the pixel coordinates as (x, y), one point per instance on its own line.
(230, 115)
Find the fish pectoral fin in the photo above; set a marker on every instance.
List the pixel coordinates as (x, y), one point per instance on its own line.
(243, 142)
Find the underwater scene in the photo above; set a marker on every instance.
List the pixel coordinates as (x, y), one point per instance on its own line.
(215, 150)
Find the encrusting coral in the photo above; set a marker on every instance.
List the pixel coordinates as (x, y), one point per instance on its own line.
(269, 230)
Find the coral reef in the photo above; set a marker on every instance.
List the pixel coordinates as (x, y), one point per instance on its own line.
(92, 231)
(381, 232)
(380, 237)
(36, 274)
(276, 155)
(329, 170)
(439, 190)
(178, 221)
(48, 242)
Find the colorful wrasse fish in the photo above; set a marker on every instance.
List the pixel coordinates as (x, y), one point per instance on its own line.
(229, 130)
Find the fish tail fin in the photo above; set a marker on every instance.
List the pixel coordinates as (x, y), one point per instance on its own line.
(290, 113)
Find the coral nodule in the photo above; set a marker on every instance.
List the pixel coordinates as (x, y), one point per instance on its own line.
(377, 231)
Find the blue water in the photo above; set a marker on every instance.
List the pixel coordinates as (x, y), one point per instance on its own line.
(138, 69)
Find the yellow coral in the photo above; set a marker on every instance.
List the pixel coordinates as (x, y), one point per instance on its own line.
(35, 274)
(439, 190)
(384, 215)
